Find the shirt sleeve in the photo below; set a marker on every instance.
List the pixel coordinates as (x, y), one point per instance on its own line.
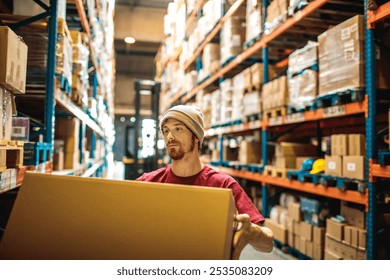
(244, 204)
(141, 178)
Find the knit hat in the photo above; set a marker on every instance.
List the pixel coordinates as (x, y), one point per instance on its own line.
(191, 116)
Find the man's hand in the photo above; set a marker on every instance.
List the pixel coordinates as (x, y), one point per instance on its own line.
(261, 238)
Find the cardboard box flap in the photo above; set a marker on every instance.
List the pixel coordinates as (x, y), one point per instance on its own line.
(64, 217)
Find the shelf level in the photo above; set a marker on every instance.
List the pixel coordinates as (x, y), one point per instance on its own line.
(72, 108)
(377, 15)
(331, 192)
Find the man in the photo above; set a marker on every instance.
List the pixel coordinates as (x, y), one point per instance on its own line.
(182, 128)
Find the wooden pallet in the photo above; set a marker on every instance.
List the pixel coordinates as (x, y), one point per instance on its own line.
(11, 154)
(275, 112)
(275, 171)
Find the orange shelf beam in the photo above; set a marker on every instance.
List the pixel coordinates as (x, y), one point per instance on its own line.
(380, 171)
(234, 128)
(379, 14)
(213, 32)
(331, 192)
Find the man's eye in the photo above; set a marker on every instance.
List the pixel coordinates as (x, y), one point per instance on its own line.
(165, 132)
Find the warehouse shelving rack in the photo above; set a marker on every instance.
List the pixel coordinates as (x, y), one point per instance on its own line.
(56, 101)
(365, 108)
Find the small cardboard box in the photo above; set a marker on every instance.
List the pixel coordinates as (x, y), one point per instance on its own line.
(354, 236)
(319, 235)
(357, 144)
(331, 256)
(334, 166)
(294, 149)
(354, 167)
(339, 144)
(310, 249)
(294, 211)
(306, 231)
(354, 216)
(335, 229)
(66, 217)
(362, 238)
(13, 61)
(347, 235)
(318, 252)
(291, 242)
(249, 152)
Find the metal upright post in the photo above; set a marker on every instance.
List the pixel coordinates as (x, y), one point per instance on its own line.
(93, 136)
(370, 138)
(50, 75)
(264, 132)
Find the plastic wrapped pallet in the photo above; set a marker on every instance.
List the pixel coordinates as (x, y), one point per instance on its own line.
(303, 58)
(232, 37)
(254, 19)
(303, 89)
(210, 58)
(257, 71)
(215, 106)
(276, 14)
(252, 103)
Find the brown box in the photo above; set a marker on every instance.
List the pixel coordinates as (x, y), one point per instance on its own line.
(302, 245)
(339, 144)
(306, 231)
(347, 235)
(13, 61)
(285, 162)
(296, 227)
(354, 236)
(249, 152)
(72, 160)
(68, 130)
(299, 161)
(294, 211)
(74, 218)
(361, 254)
(335, 229)
(289, 224)
(354, 167)
(247, 75)
(280, 231)
(357, 144)
(290, 237)
(318, 252)
(334, 166)
(362, 238)
(331, 256)
(297, 242)
(353, 216)
(345, 251)
(319, 235)
(309, 249)
(257, 71)
(286, 149)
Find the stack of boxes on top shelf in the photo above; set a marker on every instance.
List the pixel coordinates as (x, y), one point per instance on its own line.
(276, 14)
(254, 19)
(347, 157)
(13, 64)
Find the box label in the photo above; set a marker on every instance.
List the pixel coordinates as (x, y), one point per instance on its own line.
(18, 131)
(334, 111)
(351, 166)
(332, 165)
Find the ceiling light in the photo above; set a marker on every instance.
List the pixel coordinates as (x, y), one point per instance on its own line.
(129, 40)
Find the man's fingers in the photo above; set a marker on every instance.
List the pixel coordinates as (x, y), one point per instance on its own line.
(238, 244)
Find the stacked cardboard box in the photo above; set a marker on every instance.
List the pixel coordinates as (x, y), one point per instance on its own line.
(13, 61)
(238, 96)
(287, 152)
(226, 104)
(249, 152)
(346, 240)
(6, 111)
(210, 58)
(275, 93)
(347, 156)
(232, 37)
(257, 71)
(342, 58)
(276, 14)
(215, 107)
(254, 19)
(68, 131)
(251, 103)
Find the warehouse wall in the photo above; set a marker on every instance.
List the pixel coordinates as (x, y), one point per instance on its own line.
(144, 24)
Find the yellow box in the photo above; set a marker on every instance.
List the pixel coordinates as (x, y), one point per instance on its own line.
(13, 61)
(65, 217)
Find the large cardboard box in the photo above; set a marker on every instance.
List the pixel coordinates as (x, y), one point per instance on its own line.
(339, 144)
(306, 231)
(357, 144)
(319, 235)
(354, 167)
(294, 149)
(331, 256)
(335, 229)
(354, 216)
(334, 166)
(285, 162)
(294, 211)
(64, 217)
(249, 152)
(13, 61)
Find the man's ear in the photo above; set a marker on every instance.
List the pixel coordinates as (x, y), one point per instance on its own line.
(197, 140)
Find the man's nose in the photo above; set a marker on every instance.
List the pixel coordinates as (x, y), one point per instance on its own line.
(170, 135)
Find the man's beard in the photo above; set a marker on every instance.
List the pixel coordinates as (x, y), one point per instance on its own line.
(179, 154)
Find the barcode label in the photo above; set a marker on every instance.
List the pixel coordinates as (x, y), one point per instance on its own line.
(334, 111)
(18, 131)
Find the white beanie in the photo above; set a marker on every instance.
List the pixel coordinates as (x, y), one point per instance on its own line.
(191, 116)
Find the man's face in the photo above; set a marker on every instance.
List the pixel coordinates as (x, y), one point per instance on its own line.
(178, 139)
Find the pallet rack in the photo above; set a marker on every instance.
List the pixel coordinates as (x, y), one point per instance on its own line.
(364, 111)
(54, 101)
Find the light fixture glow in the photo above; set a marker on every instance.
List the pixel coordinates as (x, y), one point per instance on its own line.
(129, 40)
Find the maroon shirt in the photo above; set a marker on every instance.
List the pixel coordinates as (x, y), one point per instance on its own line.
(208, 177)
